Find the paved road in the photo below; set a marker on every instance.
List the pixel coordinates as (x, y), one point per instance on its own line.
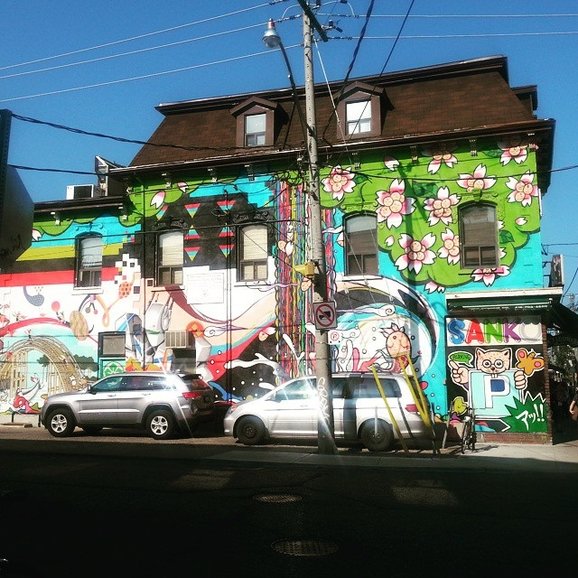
(94, 506)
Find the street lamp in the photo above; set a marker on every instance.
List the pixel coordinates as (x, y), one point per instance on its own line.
(325, 423)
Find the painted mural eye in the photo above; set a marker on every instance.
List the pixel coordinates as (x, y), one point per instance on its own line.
(499, 364)
(487, 364)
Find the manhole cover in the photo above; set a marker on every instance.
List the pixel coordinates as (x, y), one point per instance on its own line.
(277, 498)
(304, 547)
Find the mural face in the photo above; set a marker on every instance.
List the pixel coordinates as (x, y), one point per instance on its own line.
(245, 337)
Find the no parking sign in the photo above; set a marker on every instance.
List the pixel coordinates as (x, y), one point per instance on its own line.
(325, 315)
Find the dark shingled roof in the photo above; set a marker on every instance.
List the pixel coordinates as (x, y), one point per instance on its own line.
(464, 99)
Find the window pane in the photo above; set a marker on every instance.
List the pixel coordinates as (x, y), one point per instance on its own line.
(255, 123)
(253, 252)
(255, 129)
(361, 245)
(171, 248)
(370, 265)
(261, 270)
(488, 256)
(165, 276)
(89, 261)
(478, 236)
(358, 116)
(248, 272)
(254, 241)
(91, 252)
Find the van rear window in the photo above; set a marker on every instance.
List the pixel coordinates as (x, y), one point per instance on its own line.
(367, 387)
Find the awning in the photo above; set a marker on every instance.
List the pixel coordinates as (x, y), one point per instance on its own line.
(529, 301)
(565, 322)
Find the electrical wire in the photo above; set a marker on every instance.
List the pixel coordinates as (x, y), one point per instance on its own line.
(130, 53)
(140, 36)
(115, 138)
(134, 78)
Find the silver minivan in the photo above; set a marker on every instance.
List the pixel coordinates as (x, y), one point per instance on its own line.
(361, 414)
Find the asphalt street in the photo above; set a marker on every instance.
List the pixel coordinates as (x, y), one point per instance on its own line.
(124, 505)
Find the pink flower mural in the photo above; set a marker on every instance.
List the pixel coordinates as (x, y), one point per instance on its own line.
(391, 163)
(522, 190)
(476, 181)
(440, 208)
(393, 204)
(339, 182)
(450, 249)
(439, 158)
(417, 253)
(513, 151)
(158, 200)
(488, 275)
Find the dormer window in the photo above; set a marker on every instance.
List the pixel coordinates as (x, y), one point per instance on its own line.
(255, 129)
(360, 111)
(256, 119)
(358, 116)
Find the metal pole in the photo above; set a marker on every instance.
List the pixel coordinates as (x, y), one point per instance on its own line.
(325, 435)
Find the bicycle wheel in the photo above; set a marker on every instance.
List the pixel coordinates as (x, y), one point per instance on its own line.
(466, 434)
(473, 435)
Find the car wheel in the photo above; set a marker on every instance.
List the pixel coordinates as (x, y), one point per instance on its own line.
(250, 431)
(376, 435)
(161, 424)
(60, 422)
(91, 430)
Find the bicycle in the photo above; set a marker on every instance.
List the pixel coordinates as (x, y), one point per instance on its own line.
(469, 435)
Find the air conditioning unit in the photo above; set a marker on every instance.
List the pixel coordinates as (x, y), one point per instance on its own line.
(83, 192)
(179, 339)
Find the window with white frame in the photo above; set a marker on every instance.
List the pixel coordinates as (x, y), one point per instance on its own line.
(170, 258)
(255, 129)
(88, 261)
(358, 116)
(361, 245)
(256, 120)
(478, 235)
(253, 253)
(360, 111)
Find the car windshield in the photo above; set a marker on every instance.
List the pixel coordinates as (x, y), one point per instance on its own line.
(301, 389)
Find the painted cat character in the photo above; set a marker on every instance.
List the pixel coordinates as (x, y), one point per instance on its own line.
(490, 361)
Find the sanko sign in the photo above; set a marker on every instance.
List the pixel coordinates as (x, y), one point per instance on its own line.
(527, 330)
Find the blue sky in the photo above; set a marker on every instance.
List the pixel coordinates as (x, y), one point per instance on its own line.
(102, 67)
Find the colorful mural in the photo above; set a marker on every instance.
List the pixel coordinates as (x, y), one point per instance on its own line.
(248, 336)
(497, 367)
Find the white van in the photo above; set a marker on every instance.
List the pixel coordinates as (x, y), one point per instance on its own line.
(290, 411)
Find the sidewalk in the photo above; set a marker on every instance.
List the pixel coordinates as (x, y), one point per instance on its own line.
(24, 435)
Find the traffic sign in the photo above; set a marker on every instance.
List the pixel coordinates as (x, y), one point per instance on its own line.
(325, 315)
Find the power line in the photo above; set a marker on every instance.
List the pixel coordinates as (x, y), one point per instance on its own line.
(132, 52)
(243, 57)
(115, 138)
(196, 148)
(140, 36)
(133, 78)
(237, 12)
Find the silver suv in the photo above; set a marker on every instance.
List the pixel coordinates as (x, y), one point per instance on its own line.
(290, 411)
(163, 404)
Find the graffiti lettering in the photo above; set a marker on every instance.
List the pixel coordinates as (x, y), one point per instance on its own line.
(322, 393)
(531, 417)
(475, 332)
